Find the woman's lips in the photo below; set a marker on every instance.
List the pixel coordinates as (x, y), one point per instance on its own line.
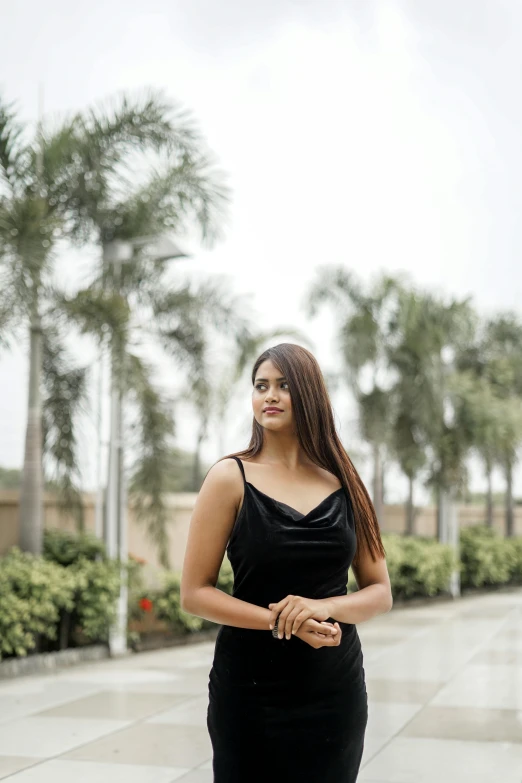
(272, 411)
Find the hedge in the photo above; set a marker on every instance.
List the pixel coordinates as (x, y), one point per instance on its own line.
(70, 593)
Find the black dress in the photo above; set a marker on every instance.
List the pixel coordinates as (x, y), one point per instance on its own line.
(278, 708)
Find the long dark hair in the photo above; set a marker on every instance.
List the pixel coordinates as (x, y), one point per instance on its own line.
(318, 437)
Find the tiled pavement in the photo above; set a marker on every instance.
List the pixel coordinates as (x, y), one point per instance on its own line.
(445, 706)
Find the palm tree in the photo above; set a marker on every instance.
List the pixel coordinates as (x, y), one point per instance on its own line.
(492, 422)
(495, 362)
(34, 176)
(422, 330)
(364, 330)
(411, 393)
(177, 187)
(448, 327)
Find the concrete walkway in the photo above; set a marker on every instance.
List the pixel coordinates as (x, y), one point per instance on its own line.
(445, 704)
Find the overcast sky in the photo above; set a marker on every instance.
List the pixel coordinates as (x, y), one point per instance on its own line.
(381, 135)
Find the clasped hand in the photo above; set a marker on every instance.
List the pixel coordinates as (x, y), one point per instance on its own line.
(306, 619)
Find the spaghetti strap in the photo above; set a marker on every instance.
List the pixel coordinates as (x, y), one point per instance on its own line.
(240, 463)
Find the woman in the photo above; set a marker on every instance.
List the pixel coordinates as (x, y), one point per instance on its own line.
(287, 692)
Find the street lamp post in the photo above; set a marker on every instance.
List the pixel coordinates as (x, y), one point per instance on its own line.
(450, 534)
(117, 253)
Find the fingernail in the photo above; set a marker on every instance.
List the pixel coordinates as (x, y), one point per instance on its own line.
(270, 626)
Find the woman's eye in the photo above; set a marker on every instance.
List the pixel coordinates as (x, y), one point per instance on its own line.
(262, 385)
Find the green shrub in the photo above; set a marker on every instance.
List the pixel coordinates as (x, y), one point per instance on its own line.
(33, 593)
(44, 599)
(488, 558)
(515, 547)
(97, 580)
(136, 588)
(417, 566)
(226, 577)
(167, 602)
(97, 591)
(67, 548)
(168, 607)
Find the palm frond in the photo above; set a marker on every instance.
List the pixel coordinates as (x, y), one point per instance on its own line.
(334, 285)
(155, 426)
(108, 135)
(120, 123)
(249, 344)
(13, 150)
(97, 312)
(171, 196)
(63, 398)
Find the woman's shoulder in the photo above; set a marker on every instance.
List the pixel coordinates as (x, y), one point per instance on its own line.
(224, 472)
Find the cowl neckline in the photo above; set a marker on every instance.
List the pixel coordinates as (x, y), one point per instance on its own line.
(283, 506)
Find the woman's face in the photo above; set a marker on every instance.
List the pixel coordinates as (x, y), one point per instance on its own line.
(271, 390)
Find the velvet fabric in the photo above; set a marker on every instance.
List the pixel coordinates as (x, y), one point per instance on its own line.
(279, 706)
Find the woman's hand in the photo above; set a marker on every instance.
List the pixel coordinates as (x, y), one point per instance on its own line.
(294, 610)
(308, 633)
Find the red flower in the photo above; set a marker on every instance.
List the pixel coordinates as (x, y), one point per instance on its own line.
(140, 560)
(146, 604)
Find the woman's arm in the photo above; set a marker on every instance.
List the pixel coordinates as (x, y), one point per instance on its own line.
(211, 524)
(374, 596)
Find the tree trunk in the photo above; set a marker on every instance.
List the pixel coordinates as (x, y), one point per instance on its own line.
(510, 515)
(114, 465)
(410, 510)
(439, 513)
(489, 496)
(377, 482)
(31, 491)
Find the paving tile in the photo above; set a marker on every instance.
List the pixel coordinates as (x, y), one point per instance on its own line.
(507, 639)
(409, 760)
(22, 701)
(179, 686)
(35, 685)
(198, 776)
(373, 743)
(466, 723)
(387, 719)
(415, 619)
(428, 659)
(11, 764)
(412, 668)
(376, 636)
(493, 657)
(45, 737)
(58, 771)
(492, 612)
(202, 651)
(150, 744)
(493, 687)
(190, 713)
(116, 705)
(401, 690)
(124, 677)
